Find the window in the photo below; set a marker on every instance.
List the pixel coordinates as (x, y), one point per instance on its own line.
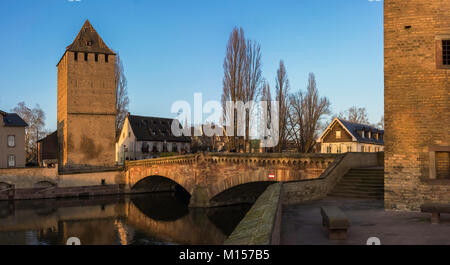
(442, 165)
(11, 160)
(96, 57)
(329, 148)
(339, 149)
(446, 52)
(11, 141)
(89, 43)
(338, 134)
(75, 56)
(439, 162)
(349, 148)
(106, 58)
(362, 148)
(362, 135)
(85, 56)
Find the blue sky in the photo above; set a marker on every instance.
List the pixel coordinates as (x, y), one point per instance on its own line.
(172, 49)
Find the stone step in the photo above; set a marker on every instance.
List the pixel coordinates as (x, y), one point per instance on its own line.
(345, 195)
(357, 184)
(358, 190)
(351, 173)
(367, 170)
(362, 181)
(363, 178)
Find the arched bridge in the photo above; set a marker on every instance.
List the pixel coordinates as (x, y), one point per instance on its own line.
(214, 179)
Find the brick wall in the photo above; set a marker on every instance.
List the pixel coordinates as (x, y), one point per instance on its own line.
(417, 100)
(86, 111)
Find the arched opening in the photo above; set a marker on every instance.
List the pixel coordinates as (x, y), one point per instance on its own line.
(44, 184)
(164, 206)
(241, 194)
(157, 184)
(161, 198)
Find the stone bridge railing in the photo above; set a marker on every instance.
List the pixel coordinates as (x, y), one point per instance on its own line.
(261, 159)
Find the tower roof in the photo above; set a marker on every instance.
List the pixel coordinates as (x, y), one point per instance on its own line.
(88, 40)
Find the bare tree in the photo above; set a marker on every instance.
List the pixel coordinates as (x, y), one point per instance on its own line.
(266, 96)
(282, 96)
(252, 83)
(35, 118)
(306, 111)
(234, 79)
(354, 114)
(380, 124)
(122, 100)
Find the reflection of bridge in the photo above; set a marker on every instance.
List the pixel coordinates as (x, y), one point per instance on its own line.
(106, 220)
(210, 178)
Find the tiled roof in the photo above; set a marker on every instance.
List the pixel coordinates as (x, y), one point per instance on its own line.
(154, 129)
(12, 119)
(52, 135)
(353, 128)
(88, 40)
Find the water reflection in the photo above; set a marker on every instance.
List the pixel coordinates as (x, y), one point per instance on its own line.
(161, 218)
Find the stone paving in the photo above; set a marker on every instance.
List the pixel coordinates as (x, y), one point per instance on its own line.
(302, 224)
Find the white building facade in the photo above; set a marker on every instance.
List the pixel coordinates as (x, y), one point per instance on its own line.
(148, 137)
(343, 136)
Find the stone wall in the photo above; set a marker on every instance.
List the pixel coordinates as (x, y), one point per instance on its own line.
(417, 101)
(38, 183)
(261, 224)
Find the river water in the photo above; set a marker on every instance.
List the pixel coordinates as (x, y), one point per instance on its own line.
(145, 219)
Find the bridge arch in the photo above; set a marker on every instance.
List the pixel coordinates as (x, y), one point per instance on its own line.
(158, 183)
(237, 180)
(240, 194)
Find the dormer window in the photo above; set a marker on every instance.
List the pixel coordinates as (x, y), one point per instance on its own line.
(362, 134)
(338, 134)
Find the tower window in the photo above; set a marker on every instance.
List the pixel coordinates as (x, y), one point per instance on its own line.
(85, 56)
(106, 57)
(76, 56)
(446, 52)
(96, 57)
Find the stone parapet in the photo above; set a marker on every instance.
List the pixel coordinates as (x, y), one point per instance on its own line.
(261, 224)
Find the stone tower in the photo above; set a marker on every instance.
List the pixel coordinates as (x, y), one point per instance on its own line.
(417, 102)
(86, 103)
